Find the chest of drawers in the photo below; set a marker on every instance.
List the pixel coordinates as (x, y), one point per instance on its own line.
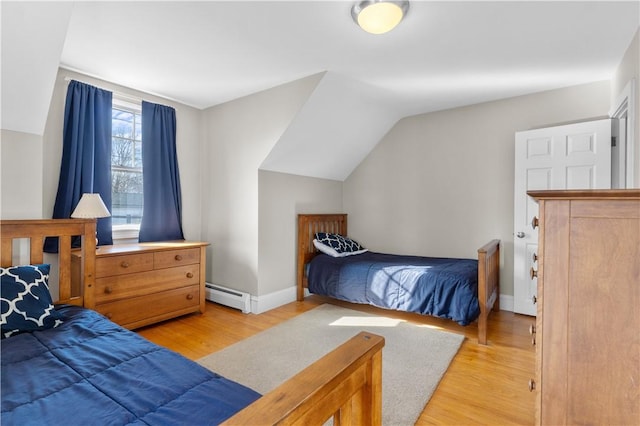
(140, 284)
(588, 319)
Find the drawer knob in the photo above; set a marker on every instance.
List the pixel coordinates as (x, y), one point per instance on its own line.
(189, 275)
(178, 257)
(124, 264)
(533, 341)
(534, 299)
(534, 222)
(535, 258)
(533, 273)
(532, 329)
(532, 385)
(189, 296)
(108, 290)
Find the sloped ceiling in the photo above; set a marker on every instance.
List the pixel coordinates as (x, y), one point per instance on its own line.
(337, 127)
(33, 35)
(203, 53)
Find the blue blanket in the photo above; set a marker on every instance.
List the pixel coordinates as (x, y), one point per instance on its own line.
(441, 287)
(90, 371)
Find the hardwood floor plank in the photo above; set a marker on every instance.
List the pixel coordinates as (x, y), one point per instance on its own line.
(483, 385)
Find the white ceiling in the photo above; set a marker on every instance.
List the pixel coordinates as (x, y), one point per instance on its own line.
(444, 54)
(203, 53)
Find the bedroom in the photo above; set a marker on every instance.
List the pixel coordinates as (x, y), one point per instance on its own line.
(244, 211)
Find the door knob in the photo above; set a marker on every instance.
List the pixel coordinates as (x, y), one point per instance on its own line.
(520, 234)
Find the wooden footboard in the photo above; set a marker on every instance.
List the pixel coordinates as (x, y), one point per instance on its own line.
(488, 263)
(488, 285)
(345, 385)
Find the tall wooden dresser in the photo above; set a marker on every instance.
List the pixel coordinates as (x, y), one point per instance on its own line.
(140, 284)
(588, 308)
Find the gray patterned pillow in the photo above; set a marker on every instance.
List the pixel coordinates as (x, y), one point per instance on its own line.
(26, 301)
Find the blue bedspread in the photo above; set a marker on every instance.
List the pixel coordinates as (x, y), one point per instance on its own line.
(441, 287)
(90, 371)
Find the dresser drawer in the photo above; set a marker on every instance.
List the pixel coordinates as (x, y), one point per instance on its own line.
(141, 283)
(154, 307)
(107, 266)
(171, 258)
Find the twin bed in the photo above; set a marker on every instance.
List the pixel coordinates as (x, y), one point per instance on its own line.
(80, 368)
(462, 290)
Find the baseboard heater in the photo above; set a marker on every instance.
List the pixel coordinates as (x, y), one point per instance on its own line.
(228, 297)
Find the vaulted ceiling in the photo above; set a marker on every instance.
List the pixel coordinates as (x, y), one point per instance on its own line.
(204, 53)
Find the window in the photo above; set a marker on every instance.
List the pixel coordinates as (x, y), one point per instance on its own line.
(126, 168)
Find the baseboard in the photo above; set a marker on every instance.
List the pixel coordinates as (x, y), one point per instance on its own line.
(264, 303)
(270, 301)
(506, 302)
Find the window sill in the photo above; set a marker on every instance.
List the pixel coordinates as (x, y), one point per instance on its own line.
(123, 234)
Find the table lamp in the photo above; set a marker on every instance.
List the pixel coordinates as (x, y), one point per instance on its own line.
(90, 206)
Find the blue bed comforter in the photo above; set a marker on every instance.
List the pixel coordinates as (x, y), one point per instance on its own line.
(441, 287)
(90, 371)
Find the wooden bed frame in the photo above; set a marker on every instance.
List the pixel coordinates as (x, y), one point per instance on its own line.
(488, 263)
(345, 384)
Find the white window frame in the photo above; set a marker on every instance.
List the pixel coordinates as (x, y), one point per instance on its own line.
(125, 233)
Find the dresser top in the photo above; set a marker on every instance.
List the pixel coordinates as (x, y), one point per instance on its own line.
(145, 247)
(575, 194)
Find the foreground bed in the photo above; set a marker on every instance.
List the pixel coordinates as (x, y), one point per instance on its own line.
(462, 290)
(88, 370)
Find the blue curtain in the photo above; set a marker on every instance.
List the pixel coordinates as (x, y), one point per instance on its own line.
(162, 211)
(86, 155)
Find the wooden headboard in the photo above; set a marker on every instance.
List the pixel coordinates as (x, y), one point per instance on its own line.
(308, 225)
(35, 231)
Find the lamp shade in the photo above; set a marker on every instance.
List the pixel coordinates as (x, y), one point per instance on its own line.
(379, 16)
(90, 206)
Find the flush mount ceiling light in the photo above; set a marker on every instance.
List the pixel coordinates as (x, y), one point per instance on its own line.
(379, 16)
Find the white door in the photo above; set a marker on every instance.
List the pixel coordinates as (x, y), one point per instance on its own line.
(574, 156)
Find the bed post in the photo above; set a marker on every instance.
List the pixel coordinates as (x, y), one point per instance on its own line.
(488, 285)
(303, 247)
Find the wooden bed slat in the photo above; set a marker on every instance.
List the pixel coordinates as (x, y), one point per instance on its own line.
(488, 263)
(6, 252)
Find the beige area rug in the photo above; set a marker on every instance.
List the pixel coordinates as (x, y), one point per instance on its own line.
(414, 358)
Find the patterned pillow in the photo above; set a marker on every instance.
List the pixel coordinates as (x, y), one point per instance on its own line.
(26, 301)
(336, 245)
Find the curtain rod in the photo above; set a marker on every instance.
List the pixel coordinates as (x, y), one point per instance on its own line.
(115, 93)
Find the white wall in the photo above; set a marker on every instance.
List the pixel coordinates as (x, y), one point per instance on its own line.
(281, 197)
(188, 141)
(238, 136)
(21, 175)
(629, 69)
(441, 184)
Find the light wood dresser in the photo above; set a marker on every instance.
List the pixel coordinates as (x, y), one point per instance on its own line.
(140, 284)
(587, 331)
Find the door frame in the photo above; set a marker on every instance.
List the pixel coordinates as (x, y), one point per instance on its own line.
(625, 107)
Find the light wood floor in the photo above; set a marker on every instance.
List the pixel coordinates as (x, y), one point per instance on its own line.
(484, 384)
